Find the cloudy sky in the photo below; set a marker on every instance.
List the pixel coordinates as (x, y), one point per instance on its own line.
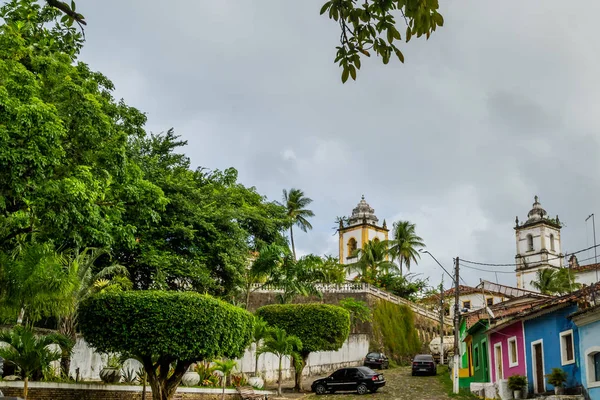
(498, 106)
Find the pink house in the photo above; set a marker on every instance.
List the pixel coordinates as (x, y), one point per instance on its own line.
(507, 350)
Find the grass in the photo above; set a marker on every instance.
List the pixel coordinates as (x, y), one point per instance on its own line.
(446, 382)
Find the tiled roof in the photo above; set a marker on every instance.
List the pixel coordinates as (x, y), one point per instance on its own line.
(463, 290)
(501, 311)
(584, 268)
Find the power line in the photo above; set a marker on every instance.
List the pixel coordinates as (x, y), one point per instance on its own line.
(514, 265)
(488, 270)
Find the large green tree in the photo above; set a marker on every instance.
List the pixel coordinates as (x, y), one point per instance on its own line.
(165, 329)
(365, 26)
(555, 281)
(295, 203)
(405, 244)
(372, 261)
(320, 327)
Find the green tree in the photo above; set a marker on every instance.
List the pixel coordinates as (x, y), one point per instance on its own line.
(372, 261)
(555, 281)
(30, 352)
(140, 323)
(261, 329)
(226, 367)
(296, 278)
(359, 311)
(295, 203)
(405, 286)
(405, 244)
(282, 345)
(320, 327)
(369, 25)
(330, 270)
(263, 264)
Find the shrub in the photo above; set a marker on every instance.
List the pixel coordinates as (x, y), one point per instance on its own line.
(557, 377)
(517, 382)
(320, 327)
(394, 330)
(165, 330)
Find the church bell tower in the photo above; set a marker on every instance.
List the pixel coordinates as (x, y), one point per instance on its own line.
(360, 227)
(538, 245)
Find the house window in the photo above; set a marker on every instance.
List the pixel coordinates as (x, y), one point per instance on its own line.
(513, 355)
(490, 301)
(567, 354)
(552, 242)
(529, 242)
(593, 366)
(467, 304)
(351, 247)
(476, 356)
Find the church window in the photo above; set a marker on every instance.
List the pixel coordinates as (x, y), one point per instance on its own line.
(552, 242)
(351, 247)
(529, 242)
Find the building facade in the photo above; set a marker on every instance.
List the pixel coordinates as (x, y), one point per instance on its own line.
(588, 323)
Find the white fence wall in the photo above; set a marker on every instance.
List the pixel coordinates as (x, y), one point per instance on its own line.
(352, 353)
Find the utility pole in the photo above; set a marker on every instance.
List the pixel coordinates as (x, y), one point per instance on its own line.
(442, 308)
(455, 364)
(595, 249)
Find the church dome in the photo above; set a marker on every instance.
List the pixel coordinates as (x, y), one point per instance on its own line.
(537, 213)
(363, 212)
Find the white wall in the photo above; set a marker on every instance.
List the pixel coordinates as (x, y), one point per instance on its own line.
(478, 301)
(586, 277)
(352, 353)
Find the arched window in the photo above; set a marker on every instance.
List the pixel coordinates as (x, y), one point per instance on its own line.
(351, 247)
(529, 242)
(551, 242)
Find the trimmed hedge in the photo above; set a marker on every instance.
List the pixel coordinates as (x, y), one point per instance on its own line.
(394, 330)
(182, 325)
(320, 327)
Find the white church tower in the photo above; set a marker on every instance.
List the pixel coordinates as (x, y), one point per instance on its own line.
(361, 227)
(538, 245)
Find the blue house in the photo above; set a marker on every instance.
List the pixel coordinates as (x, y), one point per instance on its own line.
(588, 322)
(552, 341)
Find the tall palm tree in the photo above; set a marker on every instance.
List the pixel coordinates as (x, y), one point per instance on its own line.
(295, 202)
(282, 345)
(30, 353)
(226, 367)
(555, 281)
(405, 244)
(371, 261)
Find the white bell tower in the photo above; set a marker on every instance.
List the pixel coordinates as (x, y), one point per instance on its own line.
(538, 245)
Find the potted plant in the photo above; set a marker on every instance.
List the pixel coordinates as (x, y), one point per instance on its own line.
(517, 384)
(112, 372)
(557, 378)
(191, 377)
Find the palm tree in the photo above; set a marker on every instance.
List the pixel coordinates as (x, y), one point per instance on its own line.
(226, 367)
(295, 202)
(30, 353)
(555, 281)
(296, 278)
(282, 345)
(261, 329)
(405, 244)
(264, 262)
(371, 261)
(84, 283)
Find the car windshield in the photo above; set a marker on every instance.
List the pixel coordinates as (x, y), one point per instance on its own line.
(423, 357)
(366, 370)
(373, 355)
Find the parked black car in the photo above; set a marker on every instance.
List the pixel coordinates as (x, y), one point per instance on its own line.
(424, 364)
(359, 379)
(377, 360)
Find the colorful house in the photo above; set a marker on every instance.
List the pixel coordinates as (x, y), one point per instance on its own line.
(551, 341)
(507, 350)
(588, 323)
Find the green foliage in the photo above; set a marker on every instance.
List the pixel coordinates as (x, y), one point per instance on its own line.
(359, 311)
(282, 345)
(320, 327)
(206, 370)
(557, 377)
(517, 382)
(295, 203)
(405, 286)
(371, 25)
(555, 281)
(405, 244)
(394, 330)
(140, 323)
(225, 367)
(372, 261)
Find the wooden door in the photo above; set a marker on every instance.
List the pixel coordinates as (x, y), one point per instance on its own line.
(498, 357)
(539, 368)
(484, 361)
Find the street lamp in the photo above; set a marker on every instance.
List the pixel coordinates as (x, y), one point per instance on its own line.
(595, 249)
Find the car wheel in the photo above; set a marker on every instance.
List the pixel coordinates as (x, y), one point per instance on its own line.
(320, 389)
(362, 389)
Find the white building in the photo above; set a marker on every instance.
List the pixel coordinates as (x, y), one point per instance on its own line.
(361, 227)
(538, 245)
